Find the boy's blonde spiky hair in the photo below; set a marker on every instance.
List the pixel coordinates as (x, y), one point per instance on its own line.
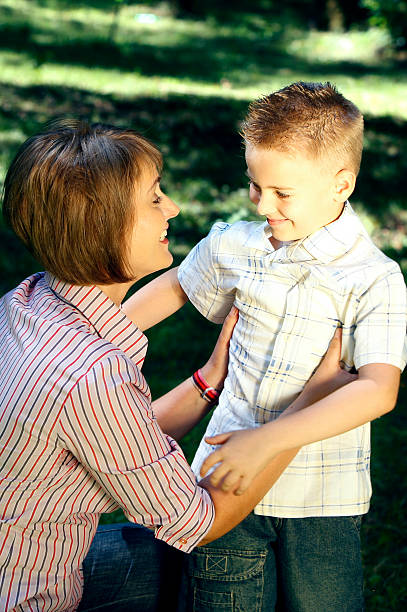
(313, 118)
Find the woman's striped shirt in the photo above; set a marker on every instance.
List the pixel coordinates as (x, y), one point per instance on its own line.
(78, 438)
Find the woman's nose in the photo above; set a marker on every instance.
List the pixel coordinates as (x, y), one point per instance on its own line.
(170, 209)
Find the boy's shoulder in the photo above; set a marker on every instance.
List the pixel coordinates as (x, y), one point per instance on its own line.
(345, 244)
(238, 235)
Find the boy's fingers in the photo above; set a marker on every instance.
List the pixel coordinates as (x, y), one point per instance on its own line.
(218, 438)
(230, 480)
(210, 461)
(218, 475)
(244, 484)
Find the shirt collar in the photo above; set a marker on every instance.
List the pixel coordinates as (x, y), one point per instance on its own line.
(102, 314)
(326, 244)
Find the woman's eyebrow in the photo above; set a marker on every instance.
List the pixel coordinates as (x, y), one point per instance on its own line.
(157, 180)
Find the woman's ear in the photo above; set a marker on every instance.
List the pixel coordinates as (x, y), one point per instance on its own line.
(344, 185)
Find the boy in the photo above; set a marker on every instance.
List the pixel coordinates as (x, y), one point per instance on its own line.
(309, 268)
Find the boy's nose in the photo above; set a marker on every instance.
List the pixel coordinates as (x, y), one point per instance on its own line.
(265, 207)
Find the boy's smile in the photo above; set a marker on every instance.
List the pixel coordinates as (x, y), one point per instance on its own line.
(296, 193)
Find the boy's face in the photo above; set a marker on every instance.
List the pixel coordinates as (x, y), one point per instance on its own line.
(297, 194)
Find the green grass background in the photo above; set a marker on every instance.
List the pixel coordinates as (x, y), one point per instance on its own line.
(186, 85)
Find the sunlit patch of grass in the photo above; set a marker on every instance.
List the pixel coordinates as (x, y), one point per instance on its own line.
(209, 59)
(368, 46)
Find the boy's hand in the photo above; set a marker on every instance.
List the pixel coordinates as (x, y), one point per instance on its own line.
(245, 453)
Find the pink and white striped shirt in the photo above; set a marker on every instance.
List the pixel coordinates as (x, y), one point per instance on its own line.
(77, 438)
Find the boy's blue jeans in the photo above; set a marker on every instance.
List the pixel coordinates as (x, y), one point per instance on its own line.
(267, 563)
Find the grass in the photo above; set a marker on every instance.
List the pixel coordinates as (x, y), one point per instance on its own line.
(186, 85)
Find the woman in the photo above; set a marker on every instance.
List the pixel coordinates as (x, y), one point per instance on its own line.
(79, 434)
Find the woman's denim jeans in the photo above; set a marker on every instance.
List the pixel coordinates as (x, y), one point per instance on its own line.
(266, 564)
(128, 570)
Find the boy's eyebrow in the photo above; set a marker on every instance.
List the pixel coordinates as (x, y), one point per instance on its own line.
(280, 187)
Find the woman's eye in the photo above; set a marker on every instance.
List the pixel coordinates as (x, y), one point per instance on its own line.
(157, 200)
(282, 195)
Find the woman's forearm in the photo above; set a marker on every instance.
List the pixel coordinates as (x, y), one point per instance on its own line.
(179, 410)
(231, 509)
(183, 407)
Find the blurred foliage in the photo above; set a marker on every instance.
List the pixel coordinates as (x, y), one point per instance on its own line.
(185, 83)
(390, 15)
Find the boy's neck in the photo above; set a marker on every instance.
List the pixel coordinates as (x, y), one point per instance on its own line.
(275, 243)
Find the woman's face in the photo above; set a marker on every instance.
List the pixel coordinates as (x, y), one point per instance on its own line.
(149, 243)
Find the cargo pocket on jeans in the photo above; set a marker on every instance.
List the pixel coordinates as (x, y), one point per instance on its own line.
(225, 580)
(210, 601)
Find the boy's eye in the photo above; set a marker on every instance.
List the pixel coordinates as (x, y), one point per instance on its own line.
(255, 187)
(282, 195)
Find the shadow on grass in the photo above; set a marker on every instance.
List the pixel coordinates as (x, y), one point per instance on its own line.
(199, 136)
(240, 57)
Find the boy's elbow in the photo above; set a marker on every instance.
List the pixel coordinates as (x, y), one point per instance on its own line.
(386, 401)
(390, 404)
(383, 384)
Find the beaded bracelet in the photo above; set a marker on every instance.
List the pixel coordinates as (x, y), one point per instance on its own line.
(208, 393)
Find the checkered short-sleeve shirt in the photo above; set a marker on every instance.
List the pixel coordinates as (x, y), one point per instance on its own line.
(291, 300)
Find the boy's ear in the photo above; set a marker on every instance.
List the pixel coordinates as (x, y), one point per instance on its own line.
(344, 185)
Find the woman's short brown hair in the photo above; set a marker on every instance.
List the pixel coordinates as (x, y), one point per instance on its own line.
(70, 195)
(313, 118)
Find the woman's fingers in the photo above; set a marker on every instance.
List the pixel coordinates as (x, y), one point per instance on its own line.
(228, 326)
(333, 354)
(216, 367)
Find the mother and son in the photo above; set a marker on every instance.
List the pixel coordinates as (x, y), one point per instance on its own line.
(79, 434)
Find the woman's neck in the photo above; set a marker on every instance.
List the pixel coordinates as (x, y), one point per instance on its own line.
(116, 292)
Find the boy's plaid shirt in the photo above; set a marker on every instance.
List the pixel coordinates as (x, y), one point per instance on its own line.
(290, 302)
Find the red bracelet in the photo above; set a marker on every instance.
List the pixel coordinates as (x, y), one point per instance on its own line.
(208, 393)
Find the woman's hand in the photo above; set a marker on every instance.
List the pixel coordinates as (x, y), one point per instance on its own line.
(216, 368)
(328, 377)
(244, 453)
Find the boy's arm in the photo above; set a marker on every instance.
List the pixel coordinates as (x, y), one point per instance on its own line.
(245, 453)
(228, 510)
(155, 301)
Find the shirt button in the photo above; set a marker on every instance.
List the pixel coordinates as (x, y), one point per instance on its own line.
(183, 541)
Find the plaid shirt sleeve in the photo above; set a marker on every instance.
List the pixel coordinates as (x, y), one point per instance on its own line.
(380, 332)
(207, 285)
(109, 426)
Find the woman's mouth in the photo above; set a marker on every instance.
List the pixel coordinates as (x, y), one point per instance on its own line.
(163, 237)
